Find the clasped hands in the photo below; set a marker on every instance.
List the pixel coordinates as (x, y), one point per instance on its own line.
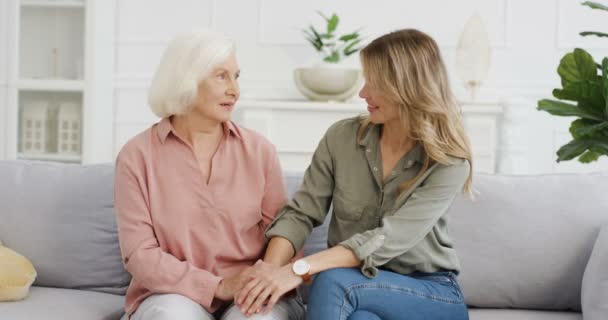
(259, 287)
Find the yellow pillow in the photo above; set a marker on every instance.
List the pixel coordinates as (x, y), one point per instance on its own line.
(16, 275)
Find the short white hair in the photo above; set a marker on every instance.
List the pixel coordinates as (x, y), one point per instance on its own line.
(188, 59)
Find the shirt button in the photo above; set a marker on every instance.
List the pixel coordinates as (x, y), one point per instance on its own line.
(368, 150)
(381, 237)
(375, 168)
(409, 163)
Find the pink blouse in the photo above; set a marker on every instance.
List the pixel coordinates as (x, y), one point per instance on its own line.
(177, 233)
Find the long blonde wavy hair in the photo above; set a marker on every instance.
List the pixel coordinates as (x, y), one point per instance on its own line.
(406, 67)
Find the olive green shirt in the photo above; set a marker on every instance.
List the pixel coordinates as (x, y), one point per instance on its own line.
(403, 233)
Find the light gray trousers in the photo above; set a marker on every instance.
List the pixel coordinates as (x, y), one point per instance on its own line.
(175, 306)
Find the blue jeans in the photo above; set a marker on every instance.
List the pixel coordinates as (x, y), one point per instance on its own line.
(346, 294)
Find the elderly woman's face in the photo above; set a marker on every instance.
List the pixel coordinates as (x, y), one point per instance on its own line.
(218, 93)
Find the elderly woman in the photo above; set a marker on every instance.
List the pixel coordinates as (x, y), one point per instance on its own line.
(391, 175)
(195, 192)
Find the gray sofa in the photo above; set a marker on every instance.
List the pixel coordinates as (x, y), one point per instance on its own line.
(524, 243)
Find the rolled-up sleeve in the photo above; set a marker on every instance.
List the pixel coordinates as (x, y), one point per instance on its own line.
(401, 231)
(158, 271)
(310, 204)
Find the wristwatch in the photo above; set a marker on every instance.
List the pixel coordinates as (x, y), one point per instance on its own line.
(301, 268)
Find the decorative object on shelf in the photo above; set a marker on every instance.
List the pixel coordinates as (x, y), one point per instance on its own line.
(35, 124)
(49, 49)
(328, 80)
(473, 55)
(584, 82)
(68, 128)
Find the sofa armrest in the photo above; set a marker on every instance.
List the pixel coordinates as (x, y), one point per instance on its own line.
(594, 293)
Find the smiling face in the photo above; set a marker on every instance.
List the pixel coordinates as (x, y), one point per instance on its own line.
(219, 91)
(381, 110)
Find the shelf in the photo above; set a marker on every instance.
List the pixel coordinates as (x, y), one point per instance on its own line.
(302, 105)
(52, 4)
(357, 106)
(50, 157)
(51, 41)
(51, 85)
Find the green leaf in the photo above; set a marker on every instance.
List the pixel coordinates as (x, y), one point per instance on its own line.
(585, 64)
(572, 149)
(576, 147)
(588, 94)
(582, 128)
(334, 57)
(315, 32)
(593, 33)
(348, 37)
(589, 156)
(350, 48)
(322, 15)
(599, 145)
(575, 126)
(588, 91)
(558, 108)
(595, 5)
(314, 44)
(605, 85)
(316, 38)
(577, 66)
(332, 23)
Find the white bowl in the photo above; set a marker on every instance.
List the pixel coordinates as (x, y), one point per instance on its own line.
(328, 84)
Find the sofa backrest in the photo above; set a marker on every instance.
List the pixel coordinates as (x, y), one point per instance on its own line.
(61, 217)
(523, 242)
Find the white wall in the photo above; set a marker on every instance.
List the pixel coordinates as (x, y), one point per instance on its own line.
(528, 39)
(3, 72)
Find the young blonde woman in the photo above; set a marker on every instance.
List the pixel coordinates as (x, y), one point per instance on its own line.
(391, 176)
(195, 192)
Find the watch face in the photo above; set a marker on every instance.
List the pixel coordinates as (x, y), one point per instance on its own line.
(301, 267)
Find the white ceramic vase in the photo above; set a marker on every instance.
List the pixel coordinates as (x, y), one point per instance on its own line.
(328, 82)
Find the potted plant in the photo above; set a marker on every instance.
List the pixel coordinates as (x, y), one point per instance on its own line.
(585, 85)
(328, 80)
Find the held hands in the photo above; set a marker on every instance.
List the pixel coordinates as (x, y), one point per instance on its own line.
(266, 287)
(230, 286)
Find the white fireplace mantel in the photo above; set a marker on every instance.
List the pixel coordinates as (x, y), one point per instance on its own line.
(295, 127)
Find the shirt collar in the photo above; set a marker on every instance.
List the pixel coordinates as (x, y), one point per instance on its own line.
(371, 137)
(414, 155)
(165, 127)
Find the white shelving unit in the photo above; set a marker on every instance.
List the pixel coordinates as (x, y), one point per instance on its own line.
(295, 127)
(60, 55)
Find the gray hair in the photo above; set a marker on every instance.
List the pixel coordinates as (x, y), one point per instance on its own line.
(188, 59)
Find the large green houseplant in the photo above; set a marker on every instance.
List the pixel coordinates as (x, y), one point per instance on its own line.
(585, 88)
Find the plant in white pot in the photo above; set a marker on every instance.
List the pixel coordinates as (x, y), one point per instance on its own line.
(329, 80)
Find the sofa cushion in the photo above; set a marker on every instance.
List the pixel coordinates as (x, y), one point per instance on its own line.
(64, 304)
(524, 242)
(509, 314)
(595, 280)
(61, 217)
